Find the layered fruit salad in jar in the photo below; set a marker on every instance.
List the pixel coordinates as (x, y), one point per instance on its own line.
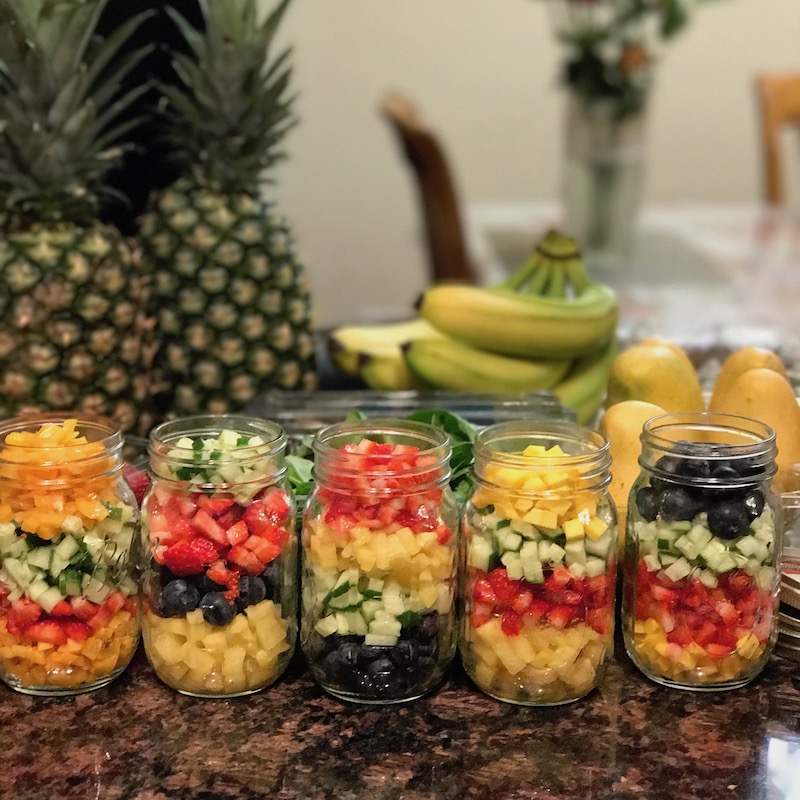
(379, 552)
(702, 547)
(68, 524)
(540, 538)
(220, 594)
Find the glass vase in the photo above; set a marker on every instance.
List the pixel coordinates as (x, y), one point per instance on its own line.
(603, 177)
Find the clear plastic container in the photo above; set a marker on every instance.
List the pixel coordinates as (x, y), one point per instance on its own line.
(540, 541)
(379, 561)
(68, 555)
(220, 573)
(703, 540)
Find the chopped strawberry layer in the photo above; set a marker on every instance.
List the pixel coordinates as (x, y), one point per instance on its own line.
(562, 600)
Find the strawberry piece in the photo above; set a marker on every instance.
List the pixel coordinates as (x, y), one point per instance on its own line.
(717, 650)
(237, 533)
(101, 618)
(511, 623)
(562, 616)
(250, 563)
(231, 516)
(482, 591)
(559, 580)
(220, 573)
(138, 480)
(206, 524)
(114, 602)
(481, 614)
(48, 631)
(61, 609)
(536, 610)
(79, 631)
(23, 612)
(271, 510)
(190, 557)
(83, 609)
(216, 505)
(503, 586)
(264, 549)
(521, 603)
(178, 528)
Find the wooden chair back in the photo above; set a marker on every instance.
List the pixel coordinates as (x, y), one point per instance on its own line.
(779, 105)
(436, 189)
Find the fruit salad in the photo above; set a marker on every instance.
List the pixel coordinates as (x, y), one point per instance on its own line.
(379, 576)
(220, 586)
(68, 601)
(541, 554)
(700, 570)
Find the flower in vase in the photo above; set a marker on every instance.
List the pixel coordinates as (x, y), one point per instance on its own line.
(611, 45)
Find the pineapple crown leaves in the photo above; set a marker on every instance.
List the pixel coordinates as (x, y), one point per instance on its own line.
(223, 127)
(61, 111)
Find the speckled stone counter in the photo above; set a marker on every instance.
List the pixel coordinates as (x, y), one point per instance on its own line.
(138, 740)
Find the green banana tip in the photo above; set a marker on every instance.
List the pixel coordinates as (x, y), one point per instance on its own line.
(557, 245)
(405, 347)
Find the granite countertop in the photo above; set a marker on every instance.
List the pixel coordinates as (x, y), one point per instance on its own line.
(139, 740)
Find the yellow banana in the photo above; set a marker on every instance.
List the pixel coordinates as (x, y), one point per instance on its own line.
(348, 344)
(584, 386)
(548, 308)
(389, 373)
(449, 364)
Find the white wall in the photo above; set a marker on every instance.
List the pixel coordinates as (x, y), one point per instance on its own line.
(484, 74)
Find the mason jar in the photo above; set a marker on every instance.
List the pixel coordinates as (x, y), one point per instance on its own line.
(220, 556)
(540, 551)
(68, 553)
(379, 561)
(702, 545)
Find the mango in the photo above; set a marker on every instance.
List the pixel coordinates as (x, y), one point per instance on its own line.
(740, 361)
(622, 424)
(655, 372)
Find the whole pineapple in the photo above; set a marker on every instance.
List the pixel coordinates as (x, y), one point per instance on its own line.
(72, 290)
(233, 305)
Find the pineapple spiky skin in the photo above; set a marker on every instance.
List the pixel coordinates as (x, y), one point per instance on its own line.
(72, 326)
(233, 306)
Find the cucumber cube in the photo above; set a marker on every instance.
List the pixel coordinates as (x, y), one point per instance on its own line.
(479, 554)
(595, 567)
(40, 558)
(66, 548)
(513, 564)
(577, 571)
(575, 552)
(380, 640)
(707, 578)
(508, 540)
(678, 570)
(652, 563)
(524, 529)
(326, 626)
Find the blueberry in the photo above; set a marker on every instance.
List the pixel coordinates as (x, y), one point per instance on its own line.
(348, 655)
(428, 650)
(272, 581)
(406, 653)
(251, 591)
(647, 503)
(179, 597)
(676, 503)
(429, 627)
(331, 666)
(206, 585)
(671, 466)
(754, 502)
(381, 666)
(728, 520)
(370, 652)
(216, 609)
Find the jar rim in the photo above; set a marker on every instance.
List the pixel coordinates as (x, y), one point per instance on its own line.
(666, 431)
(329, 440)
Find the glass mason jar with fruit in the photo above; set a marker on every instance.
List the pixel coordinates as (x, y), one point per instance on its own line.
(379, 561)
(702, 544)
(220, 572)
(68, 523)
(540, 542)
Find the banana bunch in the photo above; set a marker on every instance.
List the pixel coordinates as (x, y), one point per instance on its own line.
(548, 327)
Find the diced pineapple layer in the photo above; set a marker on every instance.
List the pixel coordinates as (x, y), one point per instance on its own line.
(192, 656)
(416, 561)
(542, 664)
(692, 664)
(74, 665)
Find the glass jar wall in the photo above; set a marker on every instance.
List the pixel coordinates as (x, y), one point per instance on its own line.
(702, 544)
(379, 561)
(220, 572)
(68, 525)
(540, 544)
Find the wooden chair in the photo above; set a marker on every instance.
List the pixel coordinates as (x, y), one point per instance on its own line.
(779, 105)
(447, 251)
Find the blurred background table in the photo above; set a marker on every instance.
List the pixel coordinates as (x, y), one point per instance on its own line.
(710, 277)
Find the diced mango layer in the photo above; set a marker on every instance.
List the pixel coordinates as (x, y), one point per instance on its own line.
(691, 664)
(73, 665)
